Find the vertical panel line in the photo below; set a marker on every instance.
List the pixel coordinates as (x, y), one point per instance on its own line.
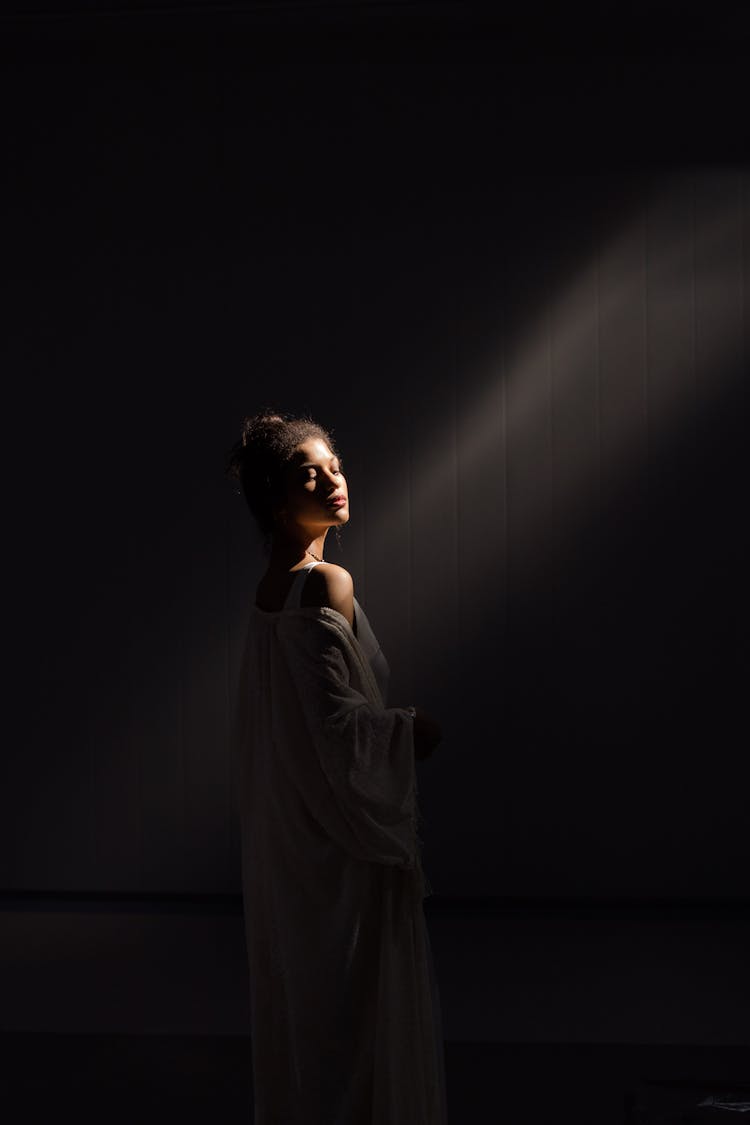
(131, 709)
(456, 477)
(646, 336)
(410, 540)
(506, 461)
(183, 749)
(598, 373)
(693, 297)
(743, 190)
(229, 727)
(553, 476)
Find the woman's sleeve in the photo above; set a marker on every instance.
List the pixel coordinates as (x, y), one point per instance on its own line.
(364, 750)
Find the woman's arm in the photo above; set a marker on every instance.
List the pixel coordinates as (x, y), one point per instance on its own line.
(365, 750)
(331, 585)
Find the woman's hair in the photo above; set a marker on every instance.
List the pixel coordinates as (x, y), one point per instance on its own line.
(260, 458)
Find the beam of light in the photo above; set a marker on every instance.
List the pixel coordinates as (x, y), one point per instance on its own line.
(604, 297)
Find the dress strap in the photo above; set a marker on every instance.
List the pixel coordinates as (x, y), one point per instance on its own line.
(294, 596)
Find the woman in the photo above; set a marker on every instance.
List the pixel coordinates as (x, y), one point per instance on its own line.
(346, 1026)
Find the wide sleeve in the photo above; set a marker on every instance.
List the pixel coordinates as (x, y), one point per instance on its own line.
(364, 750)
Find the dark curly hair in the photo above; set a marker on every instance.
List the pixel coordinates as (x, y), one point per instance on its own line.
(260, 458)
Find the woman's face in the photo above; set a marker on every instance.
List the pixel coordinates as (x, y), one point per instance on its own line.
(316, 490)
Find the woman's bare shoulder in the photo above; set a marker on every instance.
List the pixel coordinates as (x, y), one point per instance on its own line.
(330, 585)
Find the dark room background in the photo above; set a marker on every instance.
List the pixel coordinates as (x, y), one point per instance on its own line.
(516, 288)
(507, 264)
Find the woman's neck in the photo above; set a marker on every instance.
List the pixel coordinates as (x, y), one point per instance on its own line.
(288, 552)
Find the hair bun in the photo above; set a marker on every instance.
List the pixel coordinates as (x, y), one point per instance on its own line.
(259, 425)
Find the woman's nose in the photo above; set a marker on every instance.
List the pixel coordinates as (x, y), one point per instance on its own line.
(332, 482)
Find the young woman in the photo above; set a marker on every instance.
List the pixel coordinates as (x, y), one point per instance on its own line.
(346, 1024)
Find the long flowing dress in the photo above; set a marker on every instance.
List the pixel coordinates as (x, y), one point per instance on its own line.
(345, 1011)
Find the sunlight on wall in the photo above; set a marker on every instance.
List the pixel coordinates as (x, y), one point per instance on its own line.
(662, 296)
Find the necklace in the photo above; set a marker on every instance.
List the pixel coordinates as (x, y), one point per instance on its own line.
(316, 557)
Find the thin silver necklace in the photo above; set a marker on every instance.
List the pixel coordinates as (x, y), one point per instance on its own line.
(314, 556)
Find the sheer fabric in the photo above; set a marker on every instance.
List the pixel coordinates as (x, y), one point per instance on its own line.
(346, 1024)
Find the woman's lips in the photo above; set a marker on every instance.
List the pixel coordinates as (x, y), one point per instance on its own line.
(337, 502)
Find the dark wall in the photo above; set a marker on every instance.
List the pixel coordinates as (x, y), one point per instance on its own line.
(510, 270)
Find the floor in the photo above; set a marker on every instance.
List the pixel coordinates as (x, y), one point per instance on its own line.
(159, 1078)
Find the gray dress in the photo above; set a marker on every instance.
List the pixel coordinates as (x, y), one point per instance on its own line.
(346, 1020)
